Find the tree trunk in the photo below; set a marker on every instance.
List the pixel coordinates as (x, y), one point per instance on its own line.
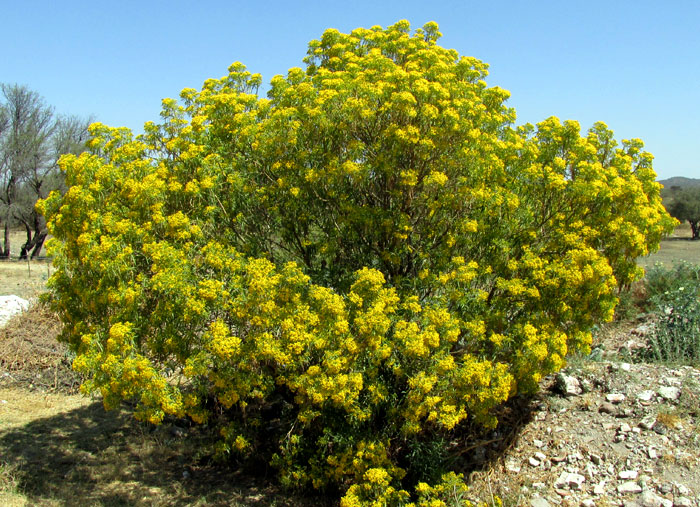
(6, 250)
(38, 243)
(696, 230)
(28, 244)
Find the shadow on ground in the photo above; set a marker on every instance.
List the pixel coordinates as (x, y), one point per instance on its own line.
(88, 456)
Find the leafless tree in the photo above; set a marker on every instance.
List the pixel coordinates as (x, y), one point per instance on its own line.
(32, 139)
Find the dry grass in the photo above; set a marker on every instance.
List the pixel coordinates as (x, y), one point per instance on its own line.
(31, 357)
(668, 418)
(62, 449)
(24, 279)
(678, 247)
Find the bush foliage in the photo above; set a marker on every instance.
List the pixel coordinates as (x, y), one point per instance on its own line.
(337, 276)
(674, 294)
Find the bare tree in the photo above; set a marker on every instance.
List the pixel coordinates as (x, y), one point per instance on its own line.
(32, 138)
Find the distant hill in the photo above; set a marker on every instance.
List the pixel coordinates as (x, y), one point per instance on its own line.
(680, 181)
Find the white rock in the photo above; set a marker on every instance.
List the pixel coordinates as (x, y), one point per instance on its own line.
(534, 462)
(646, 395)
(651, 452)
(627, 474)
(648, 422)
(590, 470)
(624, 428)
(10, 306)
(682, 489)
(615, 397)
(540, 456)
(570, 480)
(588, 502)
(682, 501)
(599, 489)
(513, 466)
(568, 385)
(650, 499)
(669, 392)
(629, 487)
(538, 502)
(625, 366)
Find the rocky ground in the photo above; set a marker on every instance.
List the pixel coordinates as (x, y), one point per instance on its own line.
(606, 431)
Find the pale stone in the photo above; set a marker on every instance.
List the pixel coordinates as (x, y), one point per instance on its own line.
(669, 392)
(615, 397)
(648, 422)
(11, 306)
(646, 395)
(629, 487)
(682, 501)
(538, 502)
(570, 480)
(568, 385)
(650, 499)
(627, 474)
(599, 489)
(513, 466)
(682, 489)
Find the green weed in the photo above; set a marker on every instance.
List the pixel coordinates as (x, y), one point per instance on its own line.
(674, 295)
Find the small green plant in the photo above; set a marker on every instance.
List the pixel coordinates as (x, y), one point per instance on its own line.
(675, 297)
(689, 400)
(632, 301)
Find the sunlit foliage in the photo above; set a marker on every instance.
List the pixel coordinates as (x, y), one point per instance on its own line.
(339, 275)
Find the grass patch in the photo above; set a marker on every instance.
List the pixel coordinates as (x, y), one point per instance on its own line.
(72, 452)
(674, 294)
(674, 249)
(668, 418)
(24, 279)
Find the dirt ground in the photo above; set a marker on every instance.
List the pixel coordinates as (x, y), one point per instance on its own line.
(24, 279)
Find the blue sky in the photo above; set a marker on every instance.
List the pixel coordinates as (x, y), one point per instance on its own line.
(633, 64)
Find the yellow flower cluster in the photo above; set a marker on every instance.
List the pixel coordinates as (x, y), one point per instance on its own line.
(349, 269)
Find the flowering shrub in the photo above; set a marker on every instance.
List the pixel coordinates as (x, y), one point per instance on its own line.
(340, 274)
